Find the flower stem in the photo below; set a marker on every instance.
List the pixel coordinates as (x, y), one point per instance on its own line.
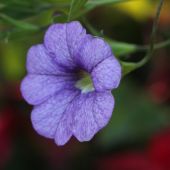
(153, 35)
(156, 46)
(70, 10)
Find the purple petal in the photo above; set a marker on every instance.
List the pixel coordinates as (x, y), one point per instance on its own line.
(91, 112)
(38, 88)
(92, 51)
(39, 62)
(75, 33)
(61, 39)
(47, 116)
(107, 74)
(64, 128)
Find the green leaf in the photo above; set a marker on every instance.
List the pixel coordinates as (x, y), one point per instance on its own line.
(59, 19)
(127, 67)
(2, 6)
(75, 7)
(90, 5)
(122, 48)
(19, 24)
(94, 3)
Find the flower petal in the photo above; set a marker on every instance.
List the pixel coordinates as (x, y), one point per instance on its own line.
(61, 39)
(107, 74)
(39, 62)
(64, 128)
(92, 51)
(38, 88)
(75, 33)
(47, 116)
(91, 112)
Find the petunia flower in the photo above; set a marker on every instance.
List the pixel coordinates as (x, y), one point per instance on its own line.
(69, 82)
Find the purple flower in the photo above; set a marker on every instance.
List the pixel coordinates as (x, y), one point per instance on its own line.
(69, 82)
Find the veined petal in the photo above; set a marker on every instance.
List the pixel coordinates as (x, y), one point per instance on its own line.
(47, 116)
(91, 112)
(39, 62)
(61, 40)
(107, 74)
(92, 51)
(64, 128)
(38, 88)
(75, 33)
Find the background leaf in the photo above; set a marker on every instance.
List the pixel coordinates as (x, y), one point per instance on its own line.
(75, 8)
(122, 48)
(19, 24)
(127, 67)
(94, 3)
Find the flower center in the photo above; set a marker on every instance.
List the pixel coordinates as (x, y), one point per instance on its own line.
(85, 84)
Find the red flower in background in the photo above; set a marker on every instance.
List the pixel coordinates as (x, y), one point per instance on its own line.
(156, 157)
(159, 150)
(124, 161)
(6, 133)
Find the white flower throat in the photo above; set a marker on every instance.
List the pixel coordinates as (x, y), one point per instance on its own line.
(85, 84)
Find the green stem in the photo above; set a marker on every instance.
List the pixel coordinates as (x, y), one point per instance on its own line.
(70, 10)
(156, 46)
(153, 35)
(131, 66)
(138, 47)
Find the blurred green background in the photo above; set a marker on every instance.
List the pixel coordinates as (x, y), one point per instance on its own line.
(138, 135)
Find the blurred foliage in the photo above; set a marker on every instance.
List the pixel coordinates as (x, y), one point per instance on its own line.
(19, 17)
(135, 124)
(13, 63)
(75, 7)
